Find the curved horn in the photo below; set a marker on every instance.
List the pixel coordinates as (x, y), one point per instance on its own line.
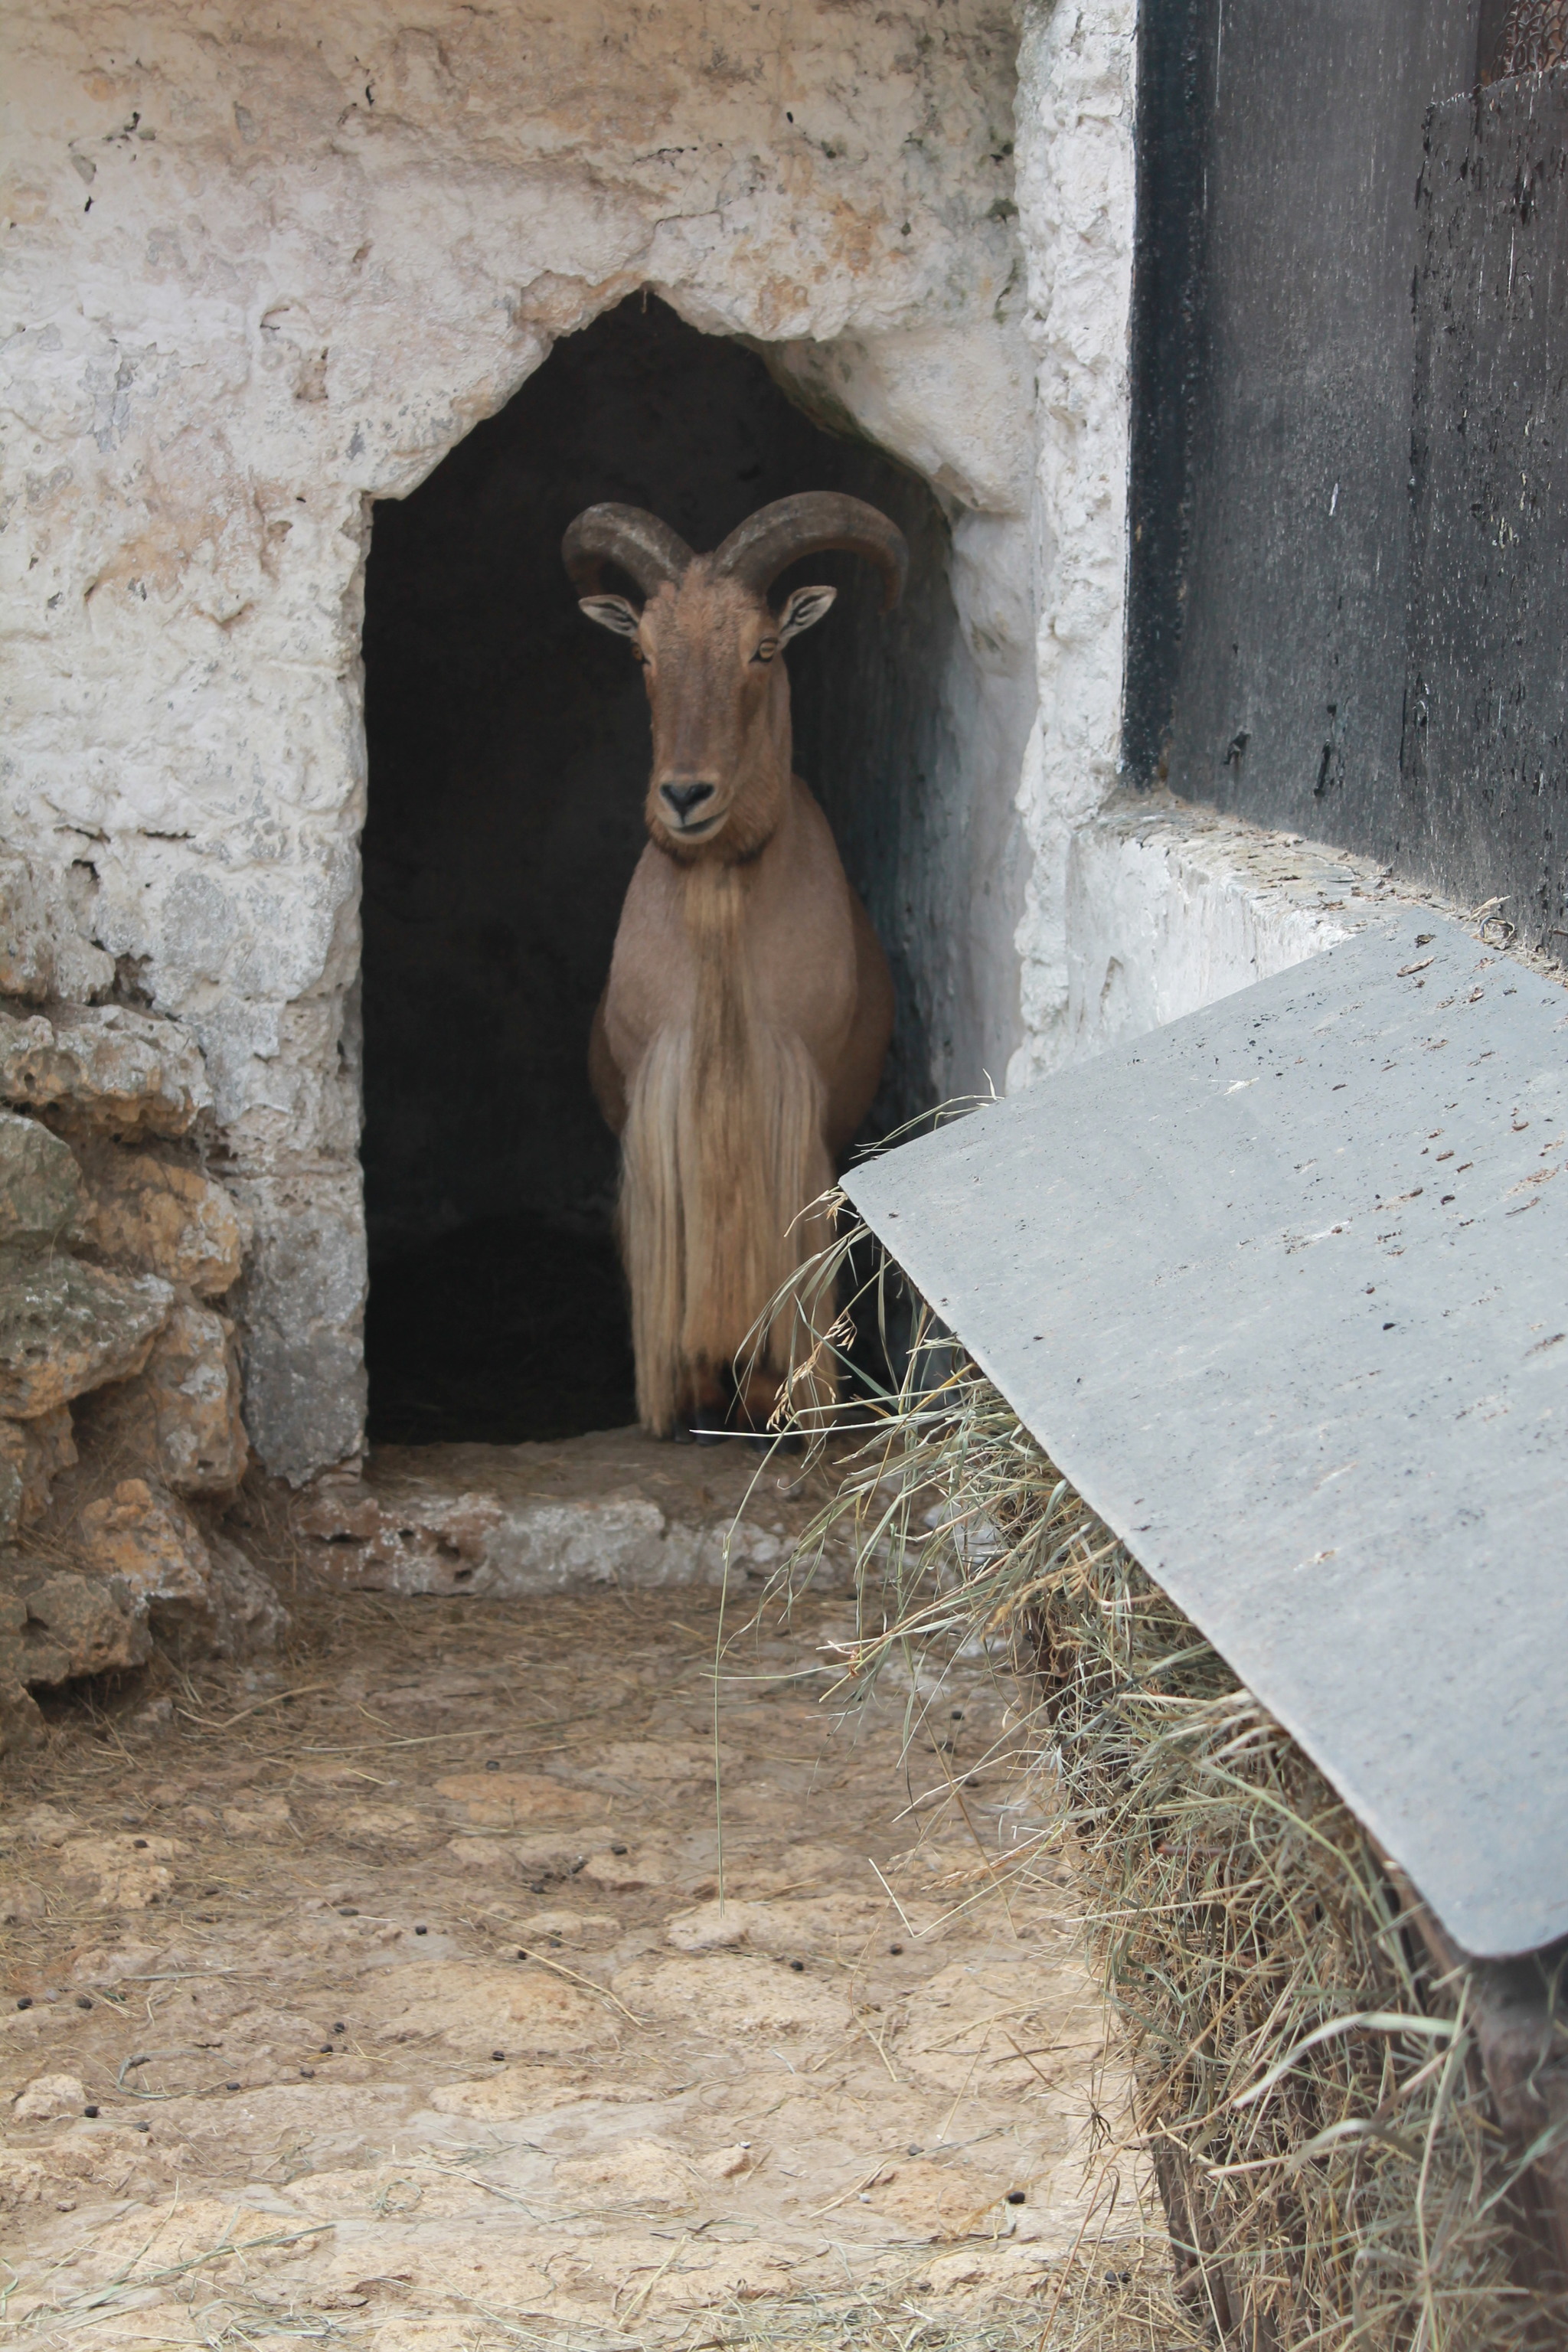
(810, 524)
(646, 550)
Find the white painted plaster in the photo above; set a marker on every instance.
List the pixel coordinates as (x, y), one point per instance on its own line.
(1137, 909)
(956, 403)
(1169, 908)
(1075, 197)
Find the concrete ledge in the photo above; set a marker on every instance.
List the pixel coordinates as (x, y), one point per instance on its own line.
(1171, 906)
(516, 1521)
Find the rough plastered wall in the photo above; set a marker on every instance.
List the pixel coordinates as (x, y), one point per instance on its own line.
(264, 270)
(1075, 195)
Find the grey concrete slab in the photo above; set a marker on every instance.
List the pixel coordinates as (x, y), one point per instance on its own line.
(1283, 1289)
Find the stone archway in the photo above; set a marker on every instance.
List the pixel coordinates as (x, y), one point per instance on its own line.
(306, 261)
(507, 750)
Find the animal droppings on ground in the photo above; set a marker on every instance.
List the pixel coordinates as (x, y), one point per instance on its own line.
(455, 2008)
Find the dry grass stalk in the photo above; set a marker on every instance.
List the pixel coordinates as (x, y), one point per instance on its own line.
(1308, 2086)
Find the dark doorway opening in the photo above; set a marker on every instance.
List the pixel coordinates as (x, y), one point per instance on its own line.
(508, 749)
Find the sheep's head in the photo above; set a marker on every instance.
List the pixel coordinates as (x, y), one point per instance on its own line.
(709, 643)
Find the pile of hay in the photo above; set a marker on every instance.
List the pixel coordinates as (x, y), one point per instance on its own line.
(1307, 2080)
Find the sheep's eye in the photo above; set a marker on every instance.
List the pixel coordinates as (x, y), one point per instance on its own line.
(766, 650)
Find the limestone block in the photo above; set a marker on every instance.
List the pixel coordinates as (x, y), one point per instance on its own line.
(198, 1596)
(42, 954)
(167, 1219)
(32, 1453)
(41, 1187)
(109, 1064)
(180, 1417)
(66, 1328)
(613, 1507)
(250, 1616)
(373, 1542)
(150, 1577)
(77, 1625)
(305, 1288)
(193, 1377)
(150, 1543)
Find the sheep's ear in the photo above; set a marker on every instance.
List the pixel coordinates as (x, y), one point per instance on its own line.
(803, 611)
(610, 612)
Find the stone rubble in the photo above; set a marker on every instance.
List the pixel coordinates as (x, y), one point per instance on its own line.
(40, 1190)
(119, 1381)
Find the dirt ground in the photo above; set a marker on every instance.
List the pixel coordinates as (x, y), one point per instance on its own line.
(431, 1990)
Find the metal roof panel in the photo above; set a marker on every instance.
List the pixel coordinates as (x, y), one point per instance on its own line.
(1282, 1289)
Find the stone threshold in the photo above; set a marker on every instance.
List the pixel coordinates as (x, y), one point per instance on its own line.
(616, 1507)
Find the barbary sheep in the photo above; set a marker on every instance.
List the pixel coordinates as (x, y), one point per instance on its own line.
(743, 1026)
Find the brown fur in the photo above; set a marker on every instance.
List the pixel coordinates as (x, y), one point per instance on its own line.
(721, 1150)
(741, 1033)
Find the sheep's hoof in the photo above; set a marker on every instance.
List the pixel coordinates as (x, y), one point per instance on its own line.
(684, 1434)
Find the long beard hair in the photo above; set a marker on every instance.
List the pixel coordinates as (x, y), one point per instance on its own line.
(721, 1156)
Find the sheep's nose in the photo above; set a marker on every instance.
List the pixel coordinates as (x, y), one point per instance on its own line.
(684, 798)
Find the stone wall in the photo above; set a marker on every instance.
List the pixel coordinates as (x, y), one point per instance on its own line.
(120, 1409)
(267, 273)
